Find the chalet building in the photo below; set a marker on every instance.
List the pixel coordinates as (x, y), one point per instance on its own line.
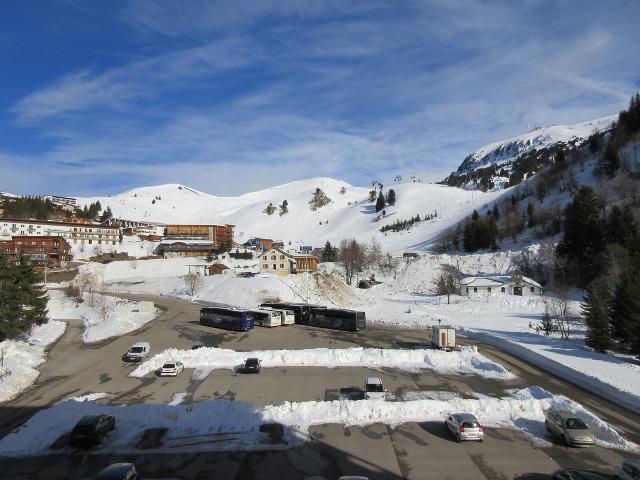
(217, 269)
(515, 284)
(186, 248)
(74, 233)
(42, 251)
(282, 263)
(219, 235)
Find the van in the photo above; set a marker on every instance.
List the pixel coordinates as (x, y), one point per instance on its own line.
(137, 352)
(373, 389)
(629, 470)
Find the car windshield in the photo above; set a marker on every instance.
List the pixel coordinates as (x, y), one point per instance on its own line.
(84, 428)
(169, 365)
(136, 350)
(252, 362)
(470, 424)
(575, 423)
(374, 387)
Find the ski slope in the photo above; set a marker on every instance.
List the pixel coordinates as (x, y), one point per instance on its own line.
(347, 215)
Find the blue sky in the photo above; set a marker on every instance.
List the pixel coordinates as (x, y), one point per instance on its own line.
(231, 96)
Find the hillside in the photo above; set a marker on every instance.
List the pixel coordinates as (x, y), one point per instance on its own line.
(497, 159)
(347, 215)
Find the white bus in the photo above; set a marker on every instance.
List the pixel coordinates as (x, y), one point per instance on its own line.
(288, 317)
(267, 318)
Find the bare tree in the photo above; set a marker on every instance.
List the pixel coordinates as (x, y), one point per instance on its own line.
(87, 282)
(559, 310)
(353, 257)
(193, 282)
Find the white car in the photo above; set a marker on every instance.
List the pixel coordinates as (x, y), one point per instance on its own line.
(465, 427)
(629, 470)
(171, 369)
(373, 389)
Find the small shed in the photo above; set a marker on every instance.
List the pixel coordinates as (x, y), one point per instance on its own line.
(217, 269)
(443, 336)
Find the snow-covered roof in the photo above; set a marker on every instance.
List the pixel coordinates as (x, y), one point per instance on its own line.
(494, 281)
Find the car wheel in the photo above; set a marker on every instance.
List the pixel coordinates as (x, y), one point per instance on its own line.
(458, 439)
(563, 439)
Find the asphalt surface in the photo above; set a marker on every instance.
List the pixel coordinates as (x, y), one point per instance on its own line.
(413, 450)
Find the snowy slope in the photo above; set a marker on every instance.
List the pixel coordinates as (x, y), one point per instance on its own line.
(348, 215)
(506, 151)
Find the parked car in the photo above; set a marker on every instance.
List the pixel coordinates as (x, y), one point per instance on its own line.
(171, 369)
(464, 426)
(119, 471)
(137, 352)
(570, 428)
(628, 470)
(91, 428)
(373, 389)
(252, 365)
(197, 346)
(580, 475)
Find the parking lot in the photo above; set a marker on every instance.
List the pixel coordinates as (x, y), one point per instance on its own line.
(412, 450)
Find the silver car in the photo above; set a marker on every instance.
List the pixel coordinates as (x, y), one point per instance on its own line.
(465, 427)
(570, 428)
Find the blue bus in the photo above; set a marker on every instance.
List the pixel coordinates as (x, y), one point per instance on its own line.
(226, 318)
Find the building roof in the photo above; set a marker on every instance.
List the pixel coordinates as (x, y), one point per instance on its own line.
(494, 281)
(221, 266)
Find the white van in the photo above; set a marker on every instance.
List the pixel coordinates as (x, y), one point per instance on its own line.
(629, 470)
(137, 352)
(373, 389)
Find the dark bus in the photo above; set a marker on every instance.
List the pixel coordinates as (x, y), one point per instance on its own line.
(226, 318)
(302, 311)
(338, 319)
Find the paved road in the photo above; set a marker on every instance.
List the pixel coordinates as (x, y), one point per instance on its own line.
(409, 451)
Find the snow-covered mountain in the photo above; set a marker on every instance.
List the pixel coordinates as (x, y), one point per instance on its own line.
(506, 151)
(349, 214)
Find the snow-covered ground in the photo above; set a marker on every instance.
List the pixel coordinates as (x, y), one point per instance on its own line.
(238, 422)
(465, 361)
(22, 357)
(133, 246)
(103, 316)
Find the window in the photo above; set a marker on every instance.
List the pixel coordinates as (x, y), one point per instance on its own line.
(281, 257)
(282, 265)
(475, 289)
(502, 289)
(265, 266)
(274, 266)
(467, 289)
(90, 241)
(264, 258)
(489, 289)
(532, 289)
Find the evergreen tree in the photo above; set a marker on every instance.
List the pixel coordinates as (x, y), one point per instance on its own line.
(596, 311)
(610, 161)
(391, 197)
(584, 236)
(372, 196)
(380, 202)
(329, 252)
(531, 214)
(625, 317)
(32, 294)
(546, 325)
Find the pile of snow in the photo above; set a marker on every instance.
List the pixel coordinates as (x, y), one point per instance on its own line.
(103, 316)
(349, 214)
(216, 419)
(457, 362)
(21, 358)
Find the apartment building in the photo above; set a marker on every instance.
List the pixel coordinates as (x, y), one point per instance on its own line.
(74, 233)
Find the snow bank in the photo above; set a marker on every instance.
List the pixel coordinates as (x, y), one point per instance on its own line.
(216, 418)
(22, 357)
(465, 361)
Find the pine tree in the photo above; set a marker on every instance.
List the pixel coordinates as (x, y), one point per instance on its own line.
(611, 161)
(372, 196)
(546, 325)
(391, 197)
(596, 311)
(329, 252)
(380, 202)
(625, 317)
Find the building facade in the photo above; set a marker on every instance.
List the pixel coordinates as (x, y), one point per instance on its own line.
(282, 263)
(74, 233)
(516, 284)
(42, 251)
(219, 235)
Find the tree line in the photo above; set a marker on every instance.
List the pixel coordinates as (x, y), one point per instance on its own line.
(31, 207)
